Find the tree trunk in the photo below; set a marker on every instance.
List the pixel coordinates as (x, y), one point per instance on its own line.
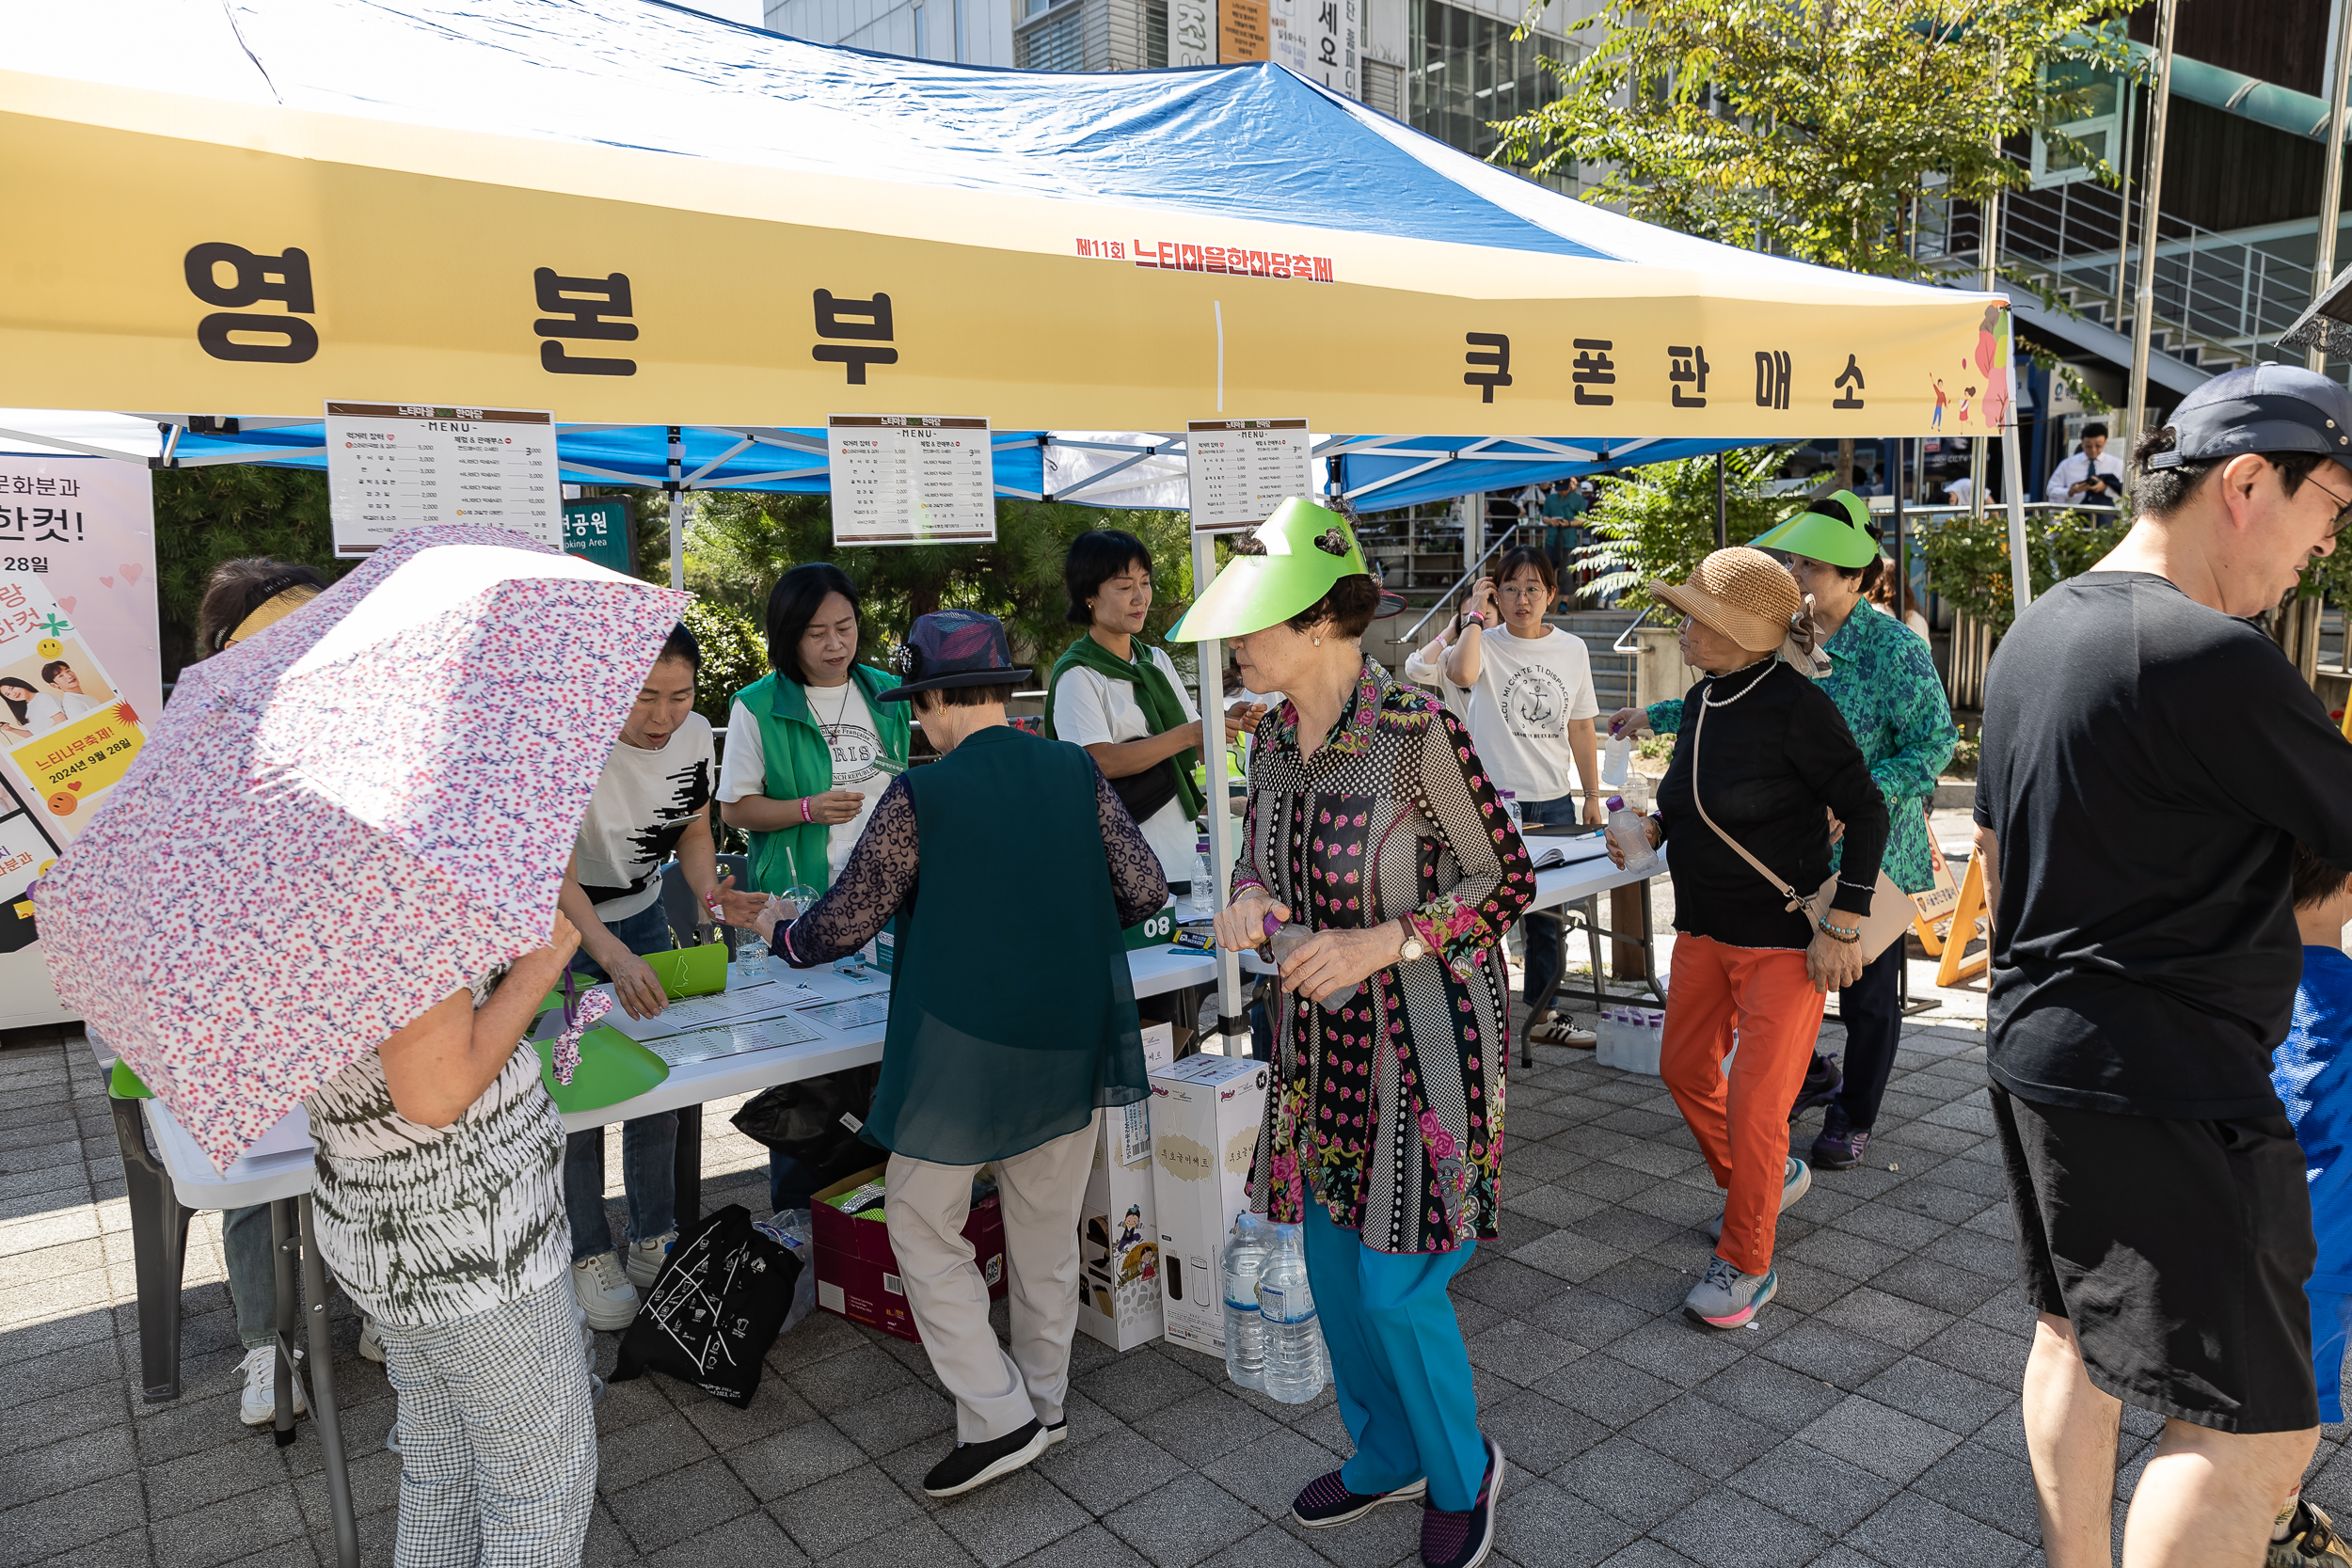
(1845, 463)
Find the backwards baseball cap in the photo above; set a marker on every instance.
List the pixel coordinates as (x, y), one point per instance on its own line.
(2261, 408)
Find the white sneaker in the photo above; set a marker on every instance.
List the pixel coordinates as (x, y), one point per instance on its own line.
(371, 1341)
(644, 1260)
(604, 1292)
(258, 1407)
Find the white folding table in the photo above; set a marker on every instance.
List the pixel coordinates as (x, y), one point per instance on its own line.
(166, 1185)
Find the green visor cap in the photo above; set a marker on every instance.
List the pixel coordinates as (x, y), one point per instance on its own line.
(1254, 591)
(1835, 529)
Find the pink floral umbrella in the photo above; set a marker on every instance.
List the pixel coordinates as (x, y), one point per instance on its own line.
(342, 821)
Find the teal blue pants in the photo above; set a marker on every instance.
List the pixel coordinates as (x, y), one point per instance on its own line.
(1398, 1364)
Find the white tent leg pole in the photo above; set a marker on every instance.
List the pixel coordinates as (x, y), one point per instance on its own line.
(1231, 1010)
(677, 507)
(2014, 481)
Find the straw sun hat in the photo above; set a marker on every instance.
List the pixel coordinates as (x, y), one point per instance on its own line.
(1742, 593)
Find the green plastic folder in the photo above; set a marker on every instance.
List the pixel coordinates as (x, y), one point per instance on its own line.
(612, 1068)
(124, 1083)
(682, 971)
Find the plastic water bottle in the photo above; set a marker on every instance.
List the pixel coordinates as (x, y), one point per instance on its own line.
(1245, 1337)
(1630, 833)
(1203, 887)
(1282, 940)
(1295, 1364)
(1616, 760)
(1511, 810)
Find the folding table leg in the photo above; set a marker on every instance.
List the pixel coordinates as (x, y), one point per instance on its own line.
(323, 1391)
(687, 1164)
(283, 1230)
(159, 1251)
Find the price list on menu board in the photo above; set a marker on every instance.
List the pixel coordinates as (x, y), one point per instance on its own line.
(911, 479)
(393, 465)
(1242, 469)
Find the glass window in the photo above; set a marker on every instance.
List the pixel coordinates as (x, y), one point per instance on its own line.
(1466, 72)
(2096, 125)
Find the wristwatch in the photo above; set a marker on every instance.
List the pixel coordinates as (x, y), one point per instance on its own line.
(1414, 947)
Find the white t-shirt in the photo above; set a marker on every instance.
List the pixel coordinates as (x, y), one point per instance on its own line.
(52, 708)
(1430, 673)
(1529, 690)
(1959, 490)
(645, 802)
(851, 732)
(1092, 709)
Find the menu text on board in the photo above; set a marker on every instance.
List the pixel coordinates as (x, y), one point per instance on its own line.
(1242, 469)
(911, 479)
(392, 467)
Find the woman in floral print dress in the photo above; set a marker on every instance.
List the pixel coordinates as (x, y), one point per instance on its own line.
(1371, 821)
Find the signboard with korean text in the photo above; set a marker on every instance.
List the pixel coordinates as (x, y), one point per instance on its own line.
(1191, 32)
(1318, 38)
(911, 479)
(392, 467)
(1241, 31)
(1240, 469)
(77, 638)
(601, 530)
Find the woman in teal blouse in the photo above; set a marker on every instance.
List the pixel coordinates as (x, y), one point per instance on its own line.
(1882, 678)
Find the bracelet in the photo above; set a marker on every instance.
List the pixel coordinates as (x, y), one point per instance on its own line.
(1850, 935)
(805, 816)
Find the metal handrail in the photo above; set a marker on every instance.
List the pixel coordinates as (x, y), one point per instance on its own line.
(1468, 578)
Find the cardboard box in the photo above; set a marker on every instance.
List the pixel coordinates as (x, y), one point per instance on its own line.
(857, 1273)
(1119, 1238)
(1205, 1115)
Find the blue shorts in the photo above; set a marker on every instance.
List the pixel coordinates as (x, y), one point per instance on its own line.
(2331, 1314)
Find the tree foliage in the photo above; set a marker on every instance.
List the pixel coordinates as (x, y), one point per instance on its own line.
(1968, 558)
(1805, 127)
(739, 543)
(1654, 522)
(204, 516)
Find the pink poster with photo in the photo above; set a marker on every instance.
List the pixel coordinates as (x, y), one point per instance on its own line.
(80, 533)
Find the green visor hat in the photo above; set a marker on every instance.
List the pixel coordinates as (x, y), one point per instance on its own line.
(1835, 529)
(1285, 565)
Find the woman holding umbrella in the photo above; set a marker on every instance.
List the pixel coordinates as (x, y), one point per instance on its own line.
(1883, 679)
(1371, 821)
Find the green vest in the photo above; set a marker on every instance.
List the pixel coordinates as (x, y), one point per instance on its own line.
(799, 763)
(984, 1057)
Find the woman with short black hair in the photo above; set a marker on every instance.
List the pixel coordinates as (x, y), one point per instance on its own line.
(1125, 704)
(810, 744)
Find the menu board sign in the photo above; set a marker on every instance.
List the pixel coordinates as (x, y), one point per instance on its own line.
(911, 479)
(392, 466)
(1242, 469)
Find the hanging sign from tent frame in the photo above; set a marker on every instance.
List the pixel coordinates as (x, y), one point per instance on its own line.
(911, 479)
(393, 466)
(1242, 469)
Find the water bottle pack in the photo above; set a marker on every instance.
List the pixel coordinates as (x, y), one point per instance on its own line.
(1630, 1038)
(1273, 1338)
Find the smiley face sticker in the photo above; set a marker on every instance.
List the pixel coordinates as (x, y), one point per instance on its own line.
(62, 802)
(50, 647)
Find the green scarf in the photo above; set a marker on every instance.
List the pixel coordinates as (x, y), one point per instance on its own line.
(1163, 709)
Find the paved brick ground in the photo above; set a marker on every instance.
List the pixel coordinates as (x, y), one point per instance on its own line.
(1869, 1417)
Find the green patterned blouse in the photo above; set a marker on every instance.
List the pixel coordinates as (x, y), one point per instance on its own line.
(1882, 678)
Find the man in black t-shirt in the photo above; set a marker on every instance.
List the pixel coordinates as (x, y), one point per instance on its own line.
(2149, 758)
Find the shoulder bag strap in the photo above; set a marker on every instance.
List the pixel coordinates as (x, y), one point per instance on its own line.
(1796, 904)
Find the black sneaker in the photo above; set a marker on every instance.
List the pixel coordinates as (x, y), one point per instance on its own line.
(1326, 1501)
(1823, 1081)
(976, 1464)
(1463, 1539)
(1841, 1145)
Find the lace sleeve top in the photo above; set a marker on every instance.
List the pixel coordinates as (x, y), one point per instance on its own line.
(881, 875)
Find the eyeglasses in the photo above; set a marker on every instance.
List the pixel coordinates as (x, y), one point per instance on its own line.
(2343, 508)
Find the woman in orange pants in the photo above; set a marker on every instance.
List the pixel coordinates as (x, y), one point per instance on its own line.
(1768, 766)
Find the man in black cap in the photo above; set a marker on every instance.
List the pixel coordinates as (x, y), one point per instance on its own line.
(2149, 759)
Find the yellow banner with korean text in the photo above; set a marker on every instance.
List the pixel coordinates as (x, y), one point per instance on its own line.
(240, 260)
(74, 764)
